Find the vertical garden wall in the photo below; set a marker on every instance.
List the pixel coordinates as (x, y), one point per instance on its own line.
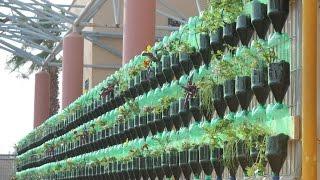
(212, 100)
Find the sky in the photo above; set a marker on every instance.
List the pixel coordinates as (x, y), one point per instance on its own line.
(16, 103)
(16, 106)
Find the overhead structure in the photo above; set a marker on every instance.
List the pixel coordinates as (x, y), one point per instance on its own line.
(26, 26)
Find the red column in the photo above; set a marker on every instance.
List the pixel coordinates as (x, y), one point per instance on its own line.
(138, 27)
(41, 98)
(72, 68)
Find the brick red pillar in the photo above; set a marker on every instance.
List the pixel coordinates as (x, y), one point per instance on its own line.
(138, 27)
(72, 68)
(41, 98)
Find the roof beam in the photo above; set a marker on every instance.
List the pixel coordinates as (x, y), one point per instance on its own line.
(198, 6)
(58, 7)
(170, 16)
(82, 17)
(102, 45)
(25, 42)
(37, 60)
(173, 9)
(37, 11)
(97, 66)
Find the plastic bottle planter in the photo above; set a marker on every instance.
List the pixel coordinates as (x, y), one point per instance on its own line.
(143, 127)
(160, 125)
(166, 119)
(166, 68)
(230, 96)
(121, 131)
(278, 11)
(174, 164)
(153, 78)
(165, 164)
(119, 99)
(243, 91)
(174, 115)
(243, 156)
(127, 129)
(124, 170)
(137, 126)
(218, 101)
(150, 168)
(196, 59)
(194, 161)
(216, 40)
(143, 168)
(159, 74)
(279, 79)
(132, 88)
(244, 29)
(132, 128)
(217, 162)
(259, 18)
(100, 140)
(112, 138)
(185, 61)
(230, 35)
(116, 134)
(184, 163)
(136, 170)
(204, 159)
(118, 171)
(145, 83)
(110, 101)
(138, 86)
(176, 66)
(276, 152)
(259, 83)
(194, 105)
(151, 123)
(204, 48)
(131, 169)
(110, 170)
(126, 94)
(184, 112)
(99, 107)
(158, 168)
(114, 169)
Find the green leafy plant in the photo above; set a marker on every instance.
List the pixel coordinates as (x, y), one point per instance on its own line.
(227, 134)
(185, 47)
(127, 112)
(206, 85)
(265, 54)
(219, 13)
(166, 101)
(245, 61)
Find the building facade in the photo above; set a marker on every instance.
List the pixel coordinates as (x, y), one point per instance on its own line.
(7, 166)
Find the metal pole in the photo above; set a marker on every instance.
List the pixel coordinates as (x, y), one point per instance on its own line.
(170, 16)
(309, 89)
(198, 6)
(97, 66)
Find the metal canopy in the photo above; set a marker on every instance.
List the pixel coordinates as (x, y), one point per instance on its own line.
(28, 26)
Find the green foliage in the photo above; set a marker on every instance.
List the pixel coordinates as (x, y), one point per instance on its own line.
(166, 101)
(206, 85)
(219, 13)
(246, 61)
(227, 134)
(127, 112)
(265, 53)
